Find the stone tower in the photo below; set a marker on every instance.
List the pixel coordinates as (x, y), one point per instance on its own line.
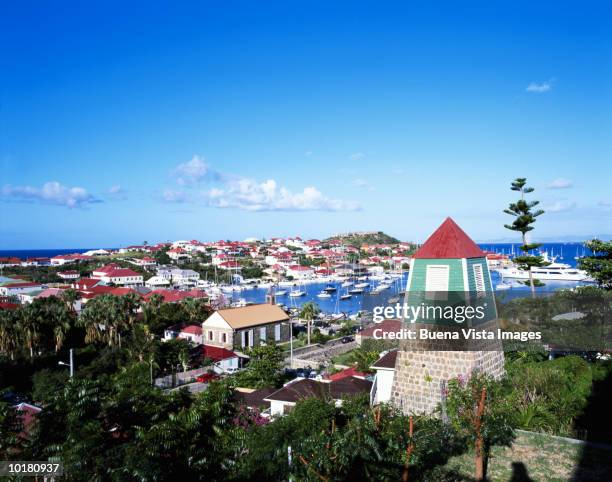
(449, 270)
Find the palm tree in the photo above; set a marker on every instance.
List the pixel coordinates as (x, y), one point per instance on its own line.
(69, 297)
(194, 307)
(309, 311)
(9, 335)
(29, 326)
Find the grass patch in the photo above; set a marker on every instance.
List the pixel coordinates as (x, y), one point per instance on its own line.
(347, 358)
(542, 457)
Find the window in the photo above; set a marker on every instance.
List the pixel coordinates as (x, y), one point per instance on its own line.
(277, 332)
(479, 280)
(262, 334)
(224, 338)
(211, 335)
(436, 282)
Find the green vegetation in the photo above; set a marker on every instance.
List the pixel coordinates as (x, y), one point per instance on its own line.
(599, 265)
(109, 423)
(356, 239)
(309, 312)
(480, 415)
(264, 368)
(536, 457)
(524, 218)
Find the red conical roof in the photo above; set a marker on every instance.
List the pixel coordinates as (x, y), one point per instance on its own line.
(449, 241)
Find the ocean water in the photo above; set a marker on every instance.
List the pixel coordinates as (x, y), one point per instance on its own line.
(38, 253)
(564, 253)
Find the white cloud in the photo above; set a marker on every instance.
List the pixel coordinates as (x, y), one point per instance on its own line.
(362, 183)
(539, 87)
(560, 207)
(51, 192)
(605, 204)
(308, 153)
(560, 183)
(117, 193)
(173, 196)
(355, 156)
(193, 171)
(250, 195)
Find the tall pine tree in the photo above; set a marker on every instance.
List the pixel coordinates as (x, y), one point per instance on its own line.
(524, 219)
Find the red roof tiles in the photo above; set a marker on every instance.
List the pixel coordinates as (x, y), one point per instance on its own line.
(449, 241)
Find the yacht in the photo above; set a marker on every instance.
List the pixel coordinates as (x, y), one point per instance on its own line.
(346, 284)
(330, 289)
(297, 293)
(362, 285)
(323, 294)
(553, 272)
(356, 291)
(280, 292)
(346, 296)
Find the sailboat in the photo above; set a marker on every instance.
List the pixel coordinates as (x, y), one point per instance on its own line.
(296, 293)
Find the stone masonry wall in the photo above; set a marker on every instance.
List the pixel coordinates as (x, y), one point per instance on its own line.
(423, 368)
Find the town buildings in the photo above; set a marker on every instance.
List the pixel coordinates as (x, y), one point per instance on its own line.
(246, 327)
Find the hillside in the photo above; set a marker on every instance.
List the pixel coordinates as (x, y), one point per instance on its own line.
(369, 237)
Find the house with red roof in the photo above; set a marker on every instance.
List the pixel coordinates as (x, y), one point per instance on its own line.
(174, 296)
(9, 261)
(233, 265)
(85, 284)
(380, 330)
(346, 373)
(69, 275)
(68, 258)
(223, 359)
(19, 287)
(27, 414)
(190, 332)
(300, 272)
(113, 273)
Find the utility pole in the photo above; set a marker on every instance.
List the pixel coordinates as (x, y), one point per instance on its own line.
(70, 363)
(290, 342)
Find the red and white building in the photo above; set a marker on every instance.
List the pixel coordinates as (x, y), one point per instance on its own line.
(113, 273)
(63, 259)
(17, 288)
(69, 275)
(300, 272)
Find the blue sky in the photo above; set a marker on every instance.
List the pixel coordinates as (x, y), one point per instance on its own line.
(120, 124)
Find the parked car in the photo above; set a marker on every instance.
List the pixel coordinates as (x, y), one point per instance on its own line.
(347, 339)
(231, 370)
(207, 377)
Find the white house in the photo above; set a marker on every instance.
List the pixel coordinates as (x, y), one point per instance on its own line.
(300, 272)
(17, 288)
(69, 275)
(178, 276)
(383, 382)
(113, 273)
(192, 333)
(156, 282)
